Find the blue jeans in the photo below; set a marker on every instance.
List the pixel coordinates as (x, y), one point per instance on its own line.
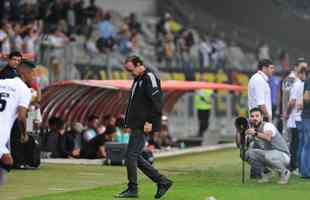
(305, 151)
(301, 141)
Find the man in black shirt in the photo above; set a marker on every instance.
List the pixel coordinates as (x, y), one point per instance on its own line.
(9, 71)
(142, 117)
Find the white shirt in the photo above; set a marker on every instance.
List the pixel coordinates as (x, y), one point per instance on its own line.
(30, 45)
(296, 93)
(205, 50)
(259, 92)
(13, 93)
(270, 127)
(6, 47)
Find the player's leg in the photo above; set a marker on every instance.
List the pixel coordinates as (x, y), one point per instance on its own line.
(6, 162)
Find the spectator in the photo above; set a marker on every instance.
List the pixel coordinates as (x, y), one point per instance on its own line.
(56, 42)
(259, 94)
(64, 144)
(79, 10)
(75, 135)
(91, 11)
(17, 40)
(171, 24)
(304, 149)
(125, 45)
(122, 135)
(203, 105)
(71, 18)
(135, 40)
(49, 139)
(107, 31)
(164, 137)
(205, 50)
(92, 141)
(169, 49)
(9, 71)
(134, 25)
(263, 51)
(30, 39)
(28, 13)
(293, 116)
(5, 34)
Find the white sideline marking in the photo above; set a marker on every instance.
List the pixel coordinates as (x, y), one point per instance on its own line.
(90, 174)
(56, 189)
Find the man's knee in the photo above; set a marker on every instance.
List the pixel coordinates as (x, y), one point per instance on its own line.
(275, 158)
(130, 155)
(250, 155)
(7, 159)
(6, 162)
(253, 155)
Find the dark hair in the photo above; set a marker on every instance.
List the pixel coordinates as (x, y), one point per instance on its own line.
(27, 63)
(264, 63)
(109, 130)
(92, 117)
(256, 109)
(15, 54)
(59, 124)
(134, 59)
(52, 121)
(120, 122)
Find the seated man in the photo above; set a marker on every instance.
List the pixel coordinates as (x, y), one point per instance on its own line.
(93, 140)
(274, 152)
(64, 144)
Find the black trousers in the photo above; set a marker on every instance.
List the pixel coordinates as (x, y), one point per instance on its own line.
(135, 160)
(203, 117)
(294, 141)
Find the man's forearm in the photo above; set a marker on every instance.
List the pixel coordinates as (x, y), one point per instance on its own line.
(291, 105)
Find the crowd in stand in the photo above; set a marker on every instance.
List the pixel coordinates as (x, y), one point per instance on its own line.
(45, 28)
(76, 140)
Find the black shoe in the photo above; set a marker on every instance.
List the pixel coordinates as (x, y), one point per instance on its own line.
(127, 194)
(162, 189)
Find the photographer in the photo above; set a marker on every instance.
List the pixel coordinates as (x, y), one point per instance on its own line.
(274, 152)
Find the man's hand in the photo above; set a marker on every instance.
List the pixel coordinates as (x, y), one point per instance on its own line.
(300, 105)
(250, 131)
(285, 116)
(147, 127)
(24, 138)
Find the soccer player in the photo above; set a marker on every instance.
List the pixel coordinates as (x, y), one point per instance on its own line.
(15, 97)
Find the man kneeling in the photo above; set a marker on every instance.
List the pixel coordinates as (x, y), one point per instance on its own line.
(274, 153)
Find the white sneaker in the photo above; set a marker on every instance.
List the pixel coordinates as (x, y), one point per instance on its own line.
(266, 178)
(284, 177)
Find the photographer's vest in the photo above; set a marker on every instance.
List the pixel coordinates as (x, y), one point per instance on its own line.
(203, 99)
(277, 141)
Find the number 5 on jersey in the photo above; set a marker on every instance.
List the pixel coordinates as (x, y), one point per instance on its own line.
(3, 101)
